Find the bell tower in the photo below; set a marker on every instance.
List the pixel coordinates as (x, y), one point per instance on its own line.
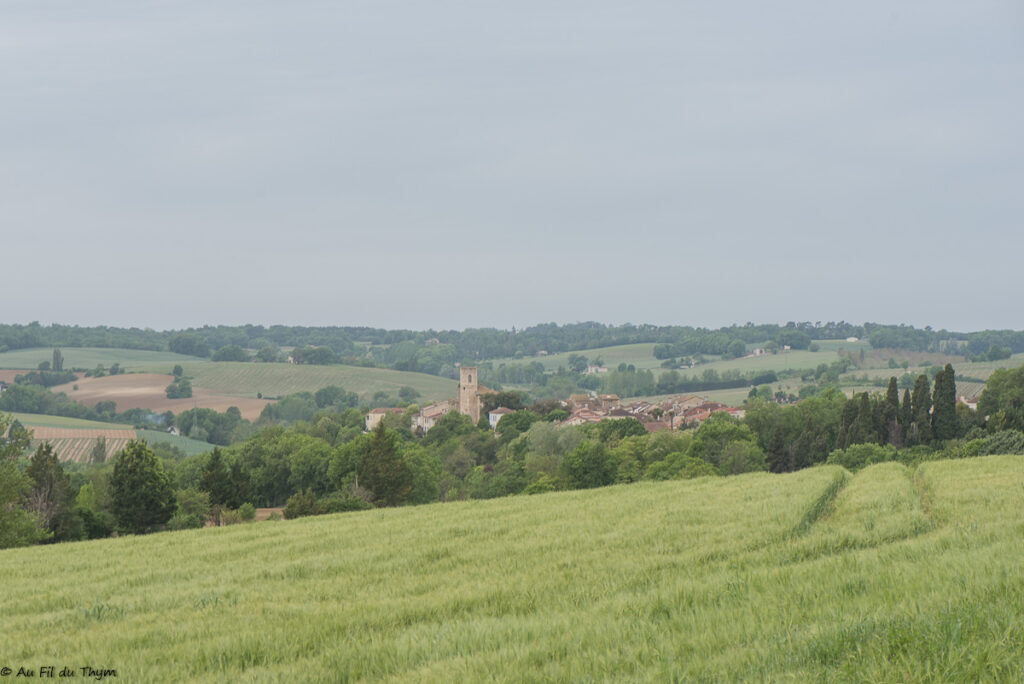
(469, 399)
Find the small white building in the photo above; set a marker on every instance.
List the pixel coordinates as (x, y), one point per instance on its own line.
(494, 416)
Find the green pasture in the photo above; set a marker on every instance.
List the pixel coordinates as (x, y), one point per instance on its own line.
(90, 357)
(886, 575)
(784, 360)
(39, 420)
(837, 345)
(187, 444)
(280, 379)
(640, 355)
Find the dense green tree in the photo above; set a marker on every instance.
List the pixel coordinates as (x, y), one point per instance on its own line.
(865, 427)
(97, 522)
(231, 352)
(589, 465)
(58, 360)
(18, 526)
(452, 424)
(141, 494)
(906, 413)
(222, 485)
(1002, 400)
(510, 400)
(944, 421)
(98, 455)
(890, 410)
(778, 456)
(180, 388)
(268, 354)
(382, 469)
(189, 344)
(610, 430)
(921, 406)
(514, 424)
(712, 442)
(736, 349)
(51, 497)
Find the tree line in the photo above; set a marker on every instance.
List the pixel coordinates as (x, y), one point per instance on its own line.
(329, 464)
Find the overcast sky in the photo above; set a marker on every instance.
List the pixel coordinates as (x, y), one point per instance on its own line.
(460, 164)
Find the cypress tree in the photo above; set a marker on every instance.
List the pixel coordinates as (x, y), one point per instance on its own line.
(944, 421)
(846, 421)
(906, 413)
(382, 469)
(891, 429)
(864, 429)
(776, 452)
(921, 406)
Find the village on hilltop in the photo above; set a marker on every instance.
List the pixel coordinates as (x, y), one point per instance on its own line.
(671, 414)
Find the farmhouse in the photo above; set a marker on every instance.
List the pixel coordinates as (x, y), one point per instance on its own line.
(429, 415)
(376, 415)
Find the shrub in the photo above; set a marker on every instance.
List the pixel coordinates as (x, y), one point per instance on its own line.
(230, 517)
(856, 456)
(679, 466)
(339, 503)
(184, 521)
(247, 511)
(302, 504)
(1005, 442)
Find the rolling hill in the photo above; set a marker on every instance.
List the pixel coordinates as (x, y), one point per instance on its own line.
(886, 575)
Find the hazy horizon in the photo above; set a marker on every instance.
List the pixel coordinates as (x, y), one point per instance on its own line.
(457, 165)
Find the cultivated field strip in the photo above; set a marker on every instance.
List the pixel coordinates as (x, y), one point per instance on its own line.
(280, 379)
(76, 444)
(678, 581)
(79, 450)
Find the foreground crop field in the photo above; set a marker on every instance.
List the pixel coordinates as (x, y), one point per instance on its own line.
(884, 576)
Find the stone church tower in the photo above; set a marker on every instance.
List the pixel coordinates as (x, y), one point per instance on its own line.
(469, 393)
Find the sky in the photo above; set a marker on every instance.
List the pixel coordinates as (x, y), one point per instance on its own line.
(458, 164)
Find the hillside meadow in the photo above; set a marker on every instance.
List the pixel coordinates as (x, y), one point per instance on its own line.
(90, 357)
(820, 575)
(280, 379)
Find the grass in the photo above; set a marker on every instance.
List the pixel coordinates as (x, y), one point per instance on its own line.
(814, 576)
(187, 444)
(34, 419)
(280, 379)
(90, 357)
(640, 355)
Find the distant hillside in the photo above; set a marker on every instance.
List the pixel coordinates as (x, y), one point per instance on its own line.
(280, 379)
(815, 576)
(89, 358)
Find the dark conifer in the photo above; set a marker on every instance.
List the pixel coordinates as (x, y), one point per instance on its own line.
(921, 406)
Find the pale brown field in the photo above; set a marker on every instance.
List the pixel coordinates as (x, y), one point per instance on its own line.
(147, 390)
(8, 375)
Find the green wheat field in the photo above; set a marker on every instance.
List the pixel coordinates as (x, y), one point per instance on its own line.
(886, 575)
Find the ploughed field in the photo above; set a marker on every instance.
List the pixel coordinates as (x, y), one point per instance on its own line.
(886, 575)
